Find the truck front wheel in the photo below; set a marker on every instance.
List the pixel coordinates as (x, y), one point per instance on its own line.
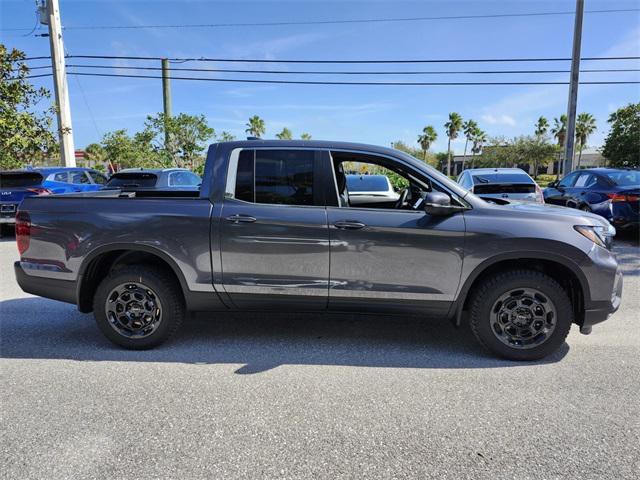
(138, 307)
(521, 314)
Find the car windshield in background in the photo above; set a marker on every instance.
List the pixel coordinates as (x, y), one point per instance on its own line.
(19, 179)
(140, 180)
(624, 178)
(501, 178)
(367, 183)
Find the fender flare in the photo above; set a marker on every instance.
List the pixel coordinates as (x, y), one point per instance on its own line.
(456, 311)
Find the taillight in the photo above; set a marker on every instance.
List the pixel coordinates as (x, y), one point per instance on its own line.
(40, 191)
(23, 231)
(539, 195)
(619, 197)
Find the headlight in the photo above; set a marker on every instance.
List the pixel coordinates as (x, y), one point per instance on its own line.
(598, 234)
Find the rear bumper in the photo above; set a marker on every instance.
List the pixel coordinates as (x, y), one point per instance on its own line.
(56, 289)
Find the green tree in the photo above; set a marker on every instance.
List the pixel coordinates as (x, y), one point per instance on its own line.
(622, 145)
(468, 128)
(285, 134)
(536, 151)
(305, 136)
(479, 138)
(426, 139)
(178, 140)
(95, 154)
(124, 151)
(25, 130)
(585, 126)
(226, 137)
(452, 128)
(256, 127)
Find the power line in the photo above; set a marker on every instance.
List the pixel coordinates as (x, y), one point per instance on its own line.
(260, 60)
(338, 72)
(314, 82)
(331, 22)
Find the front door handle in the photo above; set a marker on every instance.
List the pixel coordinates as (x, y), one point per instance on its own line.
(349, 225)
(237, 218)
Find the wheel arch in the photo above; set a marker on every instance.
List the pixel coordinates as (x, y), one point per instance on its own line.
(102, 260)
(560, 268)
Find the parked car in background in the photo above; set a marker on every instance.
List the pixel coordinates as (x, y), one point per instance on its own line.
(71, 179)
(501, 185)
(14, 186)
(609, 192)
(370, 189)
(141, 179)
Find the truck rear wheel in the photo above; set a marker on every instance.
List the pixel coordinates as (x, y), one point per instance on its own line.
(521, 314)
(138, 307)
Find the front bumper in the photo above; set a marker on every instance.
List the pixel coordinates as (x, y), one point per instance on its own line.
(602, 310)
(54, 288)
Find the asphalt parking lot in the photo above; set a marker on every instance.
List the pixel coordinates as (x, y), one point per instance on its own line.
(293, 396)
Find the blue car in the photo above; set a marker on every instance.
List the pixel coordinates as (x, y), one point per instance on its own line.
(71, 179)
(609, 192)
(18, 184)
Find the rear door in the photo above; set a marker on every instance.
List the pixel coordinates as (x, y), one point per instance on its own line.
(274, 235)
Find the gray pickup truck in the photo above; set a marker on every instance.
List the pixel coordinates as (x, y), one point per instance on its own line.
(272, 228)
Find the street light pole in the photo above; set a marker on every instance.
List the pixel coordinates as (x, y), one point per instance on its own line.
(166, 96)
(63, 110)
(569, 141)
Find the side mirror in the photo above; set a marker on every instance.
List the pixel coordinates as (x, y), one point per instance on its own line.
(439, 204)
(553, 184)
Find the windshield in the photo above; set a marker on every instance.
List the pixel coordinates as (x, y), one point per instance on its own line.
(367, 183)
(624, 178)
(19, 179)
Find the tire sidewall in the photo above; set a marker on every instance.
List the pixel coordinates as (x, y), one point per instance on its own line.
(164, 290)
(503, 284)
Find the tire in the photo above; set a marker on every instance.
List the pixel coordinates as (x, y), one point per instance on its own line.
(521, 315)
(138, 307)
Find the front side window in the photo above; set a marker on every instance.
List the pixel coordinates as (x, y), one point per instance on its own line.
(79, 177)
(283, 177)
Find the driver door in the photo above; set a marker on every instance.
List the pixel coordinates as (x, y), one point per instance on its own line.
(386, 260)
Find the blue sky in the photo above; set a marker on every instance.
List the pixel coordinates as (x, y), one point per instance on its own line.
(372, 114)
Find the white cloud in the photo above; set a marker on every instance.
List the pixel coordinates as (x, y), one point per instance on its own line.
(499, 119)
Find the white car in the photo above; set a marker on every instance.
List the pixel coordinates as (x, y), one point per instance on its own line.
(501, 185)
(370, 189)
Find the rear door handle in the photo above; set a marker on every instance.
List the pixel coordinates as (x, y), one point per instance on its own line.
(349, 225)
(237, 218)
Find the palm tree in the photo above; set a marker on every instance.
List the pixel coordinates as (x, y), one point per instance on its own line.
(285, 134)
(305, 136)
(429, 135)
(468, 128)
(255, 126)
(542, 126)
(585, 126)
(559, 131)
(226, 137)
(479, 138)
(452, 128)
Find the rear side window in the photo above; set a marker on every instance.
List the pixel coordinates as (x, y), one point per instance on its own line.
(585, 180)
(282, 177)
(61, 177)
(184, 179)
(20, 179)
(133, 179)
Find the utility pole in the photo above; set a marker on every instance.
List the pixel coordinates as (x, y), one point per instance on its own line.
(166, 96)
(50, 15)
(569, 141)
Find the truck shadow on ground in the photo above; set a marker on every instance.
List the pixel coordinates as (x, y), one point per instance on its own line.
(35, 328)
